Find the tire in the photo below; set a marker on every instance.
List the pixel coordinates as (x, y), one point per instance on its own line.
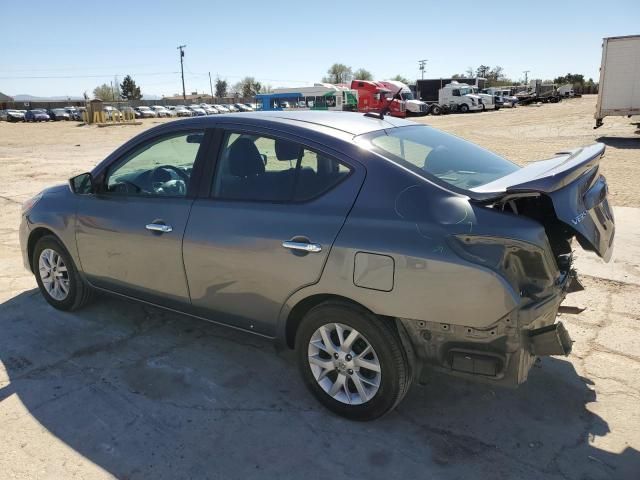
(464, 108)
(78, 292)
(435, 110)
(381, 390)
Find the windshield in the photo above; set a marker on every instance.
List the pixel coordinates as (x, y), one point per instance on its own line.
(465, 91)
(407, 95)
(432, 153)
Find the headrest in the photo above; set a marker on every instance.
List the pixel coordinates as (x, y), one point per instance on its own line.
(244, 159)
(286, 150)
(438, 160)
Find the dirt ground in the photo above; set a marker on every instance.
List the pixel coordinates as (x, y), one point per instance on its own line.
(128, 391)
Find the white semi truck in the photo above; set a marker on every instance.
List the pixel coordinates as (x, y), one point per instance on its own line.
(619, 90)
(457, 97)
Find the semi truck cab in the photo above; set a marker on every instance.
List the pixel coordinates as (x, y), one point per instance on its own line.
(412, 105)
(374, 97)
(460, 97)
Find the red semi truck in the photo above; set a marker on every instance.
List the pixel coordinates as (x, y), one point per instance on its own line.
(373, 97)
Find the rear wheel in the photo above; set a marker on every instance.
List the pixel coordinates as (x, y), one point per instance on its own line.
(58, 279)
(352, 361)
(435, 110)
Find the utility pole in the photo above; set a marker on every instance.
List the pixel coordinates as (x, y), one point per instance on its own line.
(526, 77)
(422, 64)
(184, 92)
(211, 86)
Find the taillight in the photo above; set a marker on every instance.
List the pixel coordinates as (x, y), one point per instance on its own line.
(528, 268)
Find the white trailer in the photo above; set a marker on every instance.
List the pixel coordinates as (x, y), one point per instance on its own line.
(619, 90)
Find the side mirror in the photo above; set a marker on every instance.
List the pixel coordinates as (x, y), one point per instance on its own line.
(82, 184)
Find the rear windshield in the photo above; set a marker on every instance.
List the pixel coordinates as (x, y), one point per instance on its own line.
(432, 153)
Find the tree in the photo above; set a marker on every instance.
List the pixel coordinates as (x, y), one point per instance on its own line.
(573, 79)
(338, 73)
(266, 89)
(248, 87)
(129, 90)
(496, 73)
(400, 78)
(221, 88)
(362, 74)
(105, 92)
(468, 72)
(482, 71)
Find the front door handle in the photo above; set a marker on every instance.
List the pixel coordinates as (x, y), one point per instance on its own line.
(303, 246)
(159, 227)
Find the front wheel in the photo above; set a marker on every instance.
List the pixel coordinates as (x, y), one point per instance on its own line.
(58, 279)
(464, 108)
(352, 361)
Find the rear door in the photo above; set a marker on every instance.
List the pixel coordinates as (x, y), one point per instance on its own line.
(266, 229)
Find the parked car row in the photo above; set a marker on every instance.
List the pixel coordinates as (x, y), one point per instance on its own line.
(194, 110)
(112, 113)
(42, 114)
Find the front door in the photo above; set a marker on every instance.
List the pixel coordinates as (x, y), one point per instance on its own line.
(274, 212)
(129, 234)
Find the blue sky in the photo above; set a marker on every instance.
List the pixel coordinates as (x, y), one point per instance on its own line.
(292, 43)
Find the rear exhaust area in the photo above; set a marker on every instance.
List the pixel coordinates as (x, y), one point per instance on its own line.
(550, 340)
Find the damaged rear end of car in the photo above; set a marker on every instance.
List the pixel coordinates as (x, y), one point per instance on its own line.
(567, 195)
(519, 227)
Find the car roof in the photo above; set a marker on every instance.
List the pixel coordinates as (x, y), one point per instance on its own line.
(347, 122)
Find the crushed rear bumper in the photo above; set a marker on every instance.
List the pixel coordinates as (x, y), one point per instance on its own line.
(503, 353)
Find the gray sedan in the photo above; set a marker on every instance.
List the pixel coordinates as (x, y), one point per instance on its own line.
(372, 246)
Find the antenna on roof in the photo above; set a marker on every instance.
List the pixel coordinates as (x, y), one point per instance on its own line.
(386, 109)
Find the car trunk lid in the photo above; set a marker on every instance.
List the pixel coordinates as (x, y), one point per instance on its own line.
(573, 183)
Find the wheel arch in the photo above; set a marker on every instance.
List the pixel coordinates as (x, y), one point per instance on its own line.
(36, 235)
(303, 306)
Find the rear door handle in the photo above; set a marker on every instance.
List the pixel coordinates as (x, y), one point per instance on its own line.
(303, 246)
(159, 227)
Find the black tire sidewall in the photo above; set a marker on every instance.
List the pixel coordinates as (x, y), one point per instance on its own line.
(74, 281)
(394, 370)
(464, 108)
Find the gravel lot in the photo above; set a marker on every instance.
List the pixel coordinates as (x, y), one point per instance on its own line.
(129, 391)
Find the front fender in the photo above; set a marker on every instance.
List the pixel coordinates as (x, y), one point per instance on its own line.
(56, 212)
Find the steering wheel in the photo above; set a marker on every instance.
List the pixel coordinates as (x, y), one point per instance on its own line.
(181, 173)
(161, 176)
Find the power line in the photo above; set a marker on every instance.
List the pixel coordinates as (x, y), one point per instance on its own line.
(47, 77)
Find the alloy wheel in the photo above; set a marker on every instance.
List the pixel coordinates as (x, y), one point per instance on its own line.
(344, 364)
(54, 274)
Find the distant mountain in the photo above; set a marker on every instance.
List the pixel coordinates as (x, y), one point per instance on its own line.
(23, 97)
(32, 98)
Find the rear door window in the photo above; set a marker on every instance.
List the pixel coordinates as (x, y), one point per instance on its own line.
(260, 168)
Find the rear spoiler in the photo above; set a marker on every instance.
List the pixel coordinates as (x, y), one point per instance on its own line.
(545, 176)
